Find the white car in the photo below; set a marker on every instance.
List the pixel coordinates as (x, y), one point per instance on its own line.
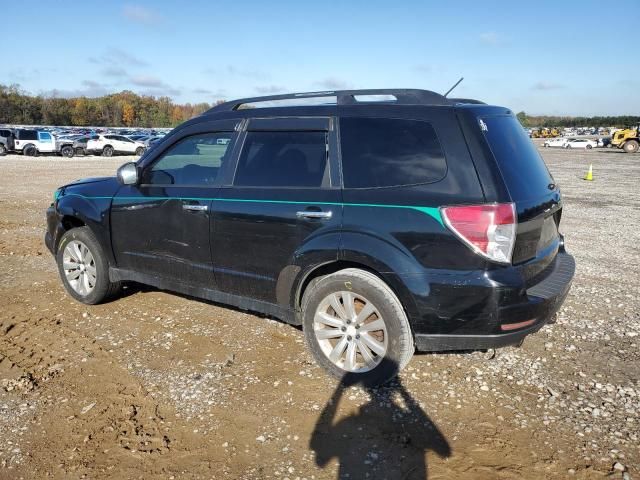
(32, 142)
(581, 143)
(107, 145)
(555, 142)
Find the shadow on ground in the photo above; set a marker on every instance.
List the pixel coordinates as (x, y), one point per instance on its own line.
(387, 438)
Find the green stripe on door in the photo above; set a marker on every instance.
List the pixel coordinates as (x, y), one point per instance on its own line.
(433, 212)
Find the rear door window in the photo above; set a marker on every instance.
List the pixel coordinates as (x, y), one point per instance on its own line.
(283, 159)
(387, 152)
(522, 167)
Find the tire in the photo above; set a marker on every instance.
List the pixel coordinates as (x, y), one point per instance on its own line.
(96, 289)
(568, 146)
(368, 291)
(3, 149)
(107, 151)
(631, 146)
(67, 151)
(139, 151)
(80, 151)
(589, 147)
(30, 151)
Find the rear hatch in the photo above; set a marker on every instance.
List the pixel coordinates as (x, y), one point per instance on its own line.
(532, 189)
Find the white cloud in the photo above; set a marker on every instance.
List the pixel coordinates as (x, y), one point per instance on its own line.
(333, 83)
(491, 38)
(546, 85)
(141, 15)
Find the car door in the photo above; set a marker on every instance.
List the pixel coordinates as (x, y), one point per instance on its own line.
(280, 206)
(162, 225)
(45, 142)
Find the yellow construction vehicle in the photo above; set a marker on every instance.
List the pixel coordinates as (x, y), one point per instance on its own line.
(545, 133)
(627, 139)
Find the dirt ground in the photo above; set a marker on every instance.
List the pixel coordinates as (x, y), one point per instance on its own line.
(157, 385)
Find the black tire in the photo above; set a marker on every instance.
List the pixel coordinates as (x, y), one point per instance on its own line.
(589, 147)
(631, 146)
(139, 151)
(3, 149)
(568, 146)
(80, 151)
(400, 346)
(30, 151)
(67, 151)
(103, 288)
(107, 151)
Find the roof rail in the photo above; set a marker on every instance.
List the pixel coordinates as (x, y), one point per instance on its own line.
(347, 97)
(467, 100)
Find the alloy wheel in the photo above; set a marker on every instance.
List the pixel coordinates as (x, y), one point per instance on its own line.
(79, 267)
(351, 331)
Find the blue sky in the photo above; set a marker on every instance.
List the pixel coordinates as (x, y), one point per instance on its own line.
(542, 57)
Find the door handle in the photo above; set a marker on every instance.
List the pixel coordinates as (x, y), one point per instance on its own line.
(312, 214)
(195, 208)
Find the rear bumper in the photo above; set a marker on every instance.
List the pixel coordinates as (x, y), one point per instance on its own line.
(506, 324)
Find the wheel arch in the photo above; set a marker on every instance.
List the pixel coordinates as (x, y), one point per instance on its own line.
(75, 212)
(391, 280)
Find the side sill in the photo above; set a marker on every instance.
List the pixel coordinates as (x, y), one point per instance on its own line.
(243, 303)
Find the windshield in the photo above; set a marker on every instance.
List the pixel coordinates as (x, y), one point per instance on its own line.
(522, 167)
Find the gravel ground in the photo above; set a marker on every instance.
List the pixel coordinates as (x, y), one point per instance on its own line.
(156, 385)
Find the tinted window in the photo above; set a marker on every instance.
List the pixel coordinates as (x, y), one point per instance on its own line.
(283, 159)
(27, 135)
(521, 165)
(194, 160)
(45, 136)
(379, 152)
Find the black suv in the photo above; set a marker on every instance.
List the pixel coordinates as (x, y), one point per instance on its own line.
(380, 220)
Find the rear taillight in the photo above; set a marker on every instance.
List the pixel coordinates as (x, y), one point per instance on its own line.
(490, 230)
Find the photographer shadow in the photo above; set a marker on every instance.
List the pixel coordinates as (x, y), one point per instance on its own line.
(388, 437)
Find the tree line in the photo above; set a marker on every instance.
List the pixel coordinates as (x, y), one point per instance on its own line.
(123, 109)
(556, 121)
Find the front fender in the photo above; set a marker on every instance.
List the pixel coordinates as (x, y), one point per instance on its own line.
(93, 212)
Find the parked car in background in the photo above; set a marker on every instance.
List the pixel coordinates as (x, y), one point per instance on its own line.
(71, 145)
(581, 143)
(32, 142)
(555, 142)
(7, 139)
(108, 145)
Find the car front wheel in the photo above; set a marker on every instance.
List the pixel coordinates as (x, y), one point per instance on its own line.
(84, 268)
(139, 151)
(107, 151)
(355, 327)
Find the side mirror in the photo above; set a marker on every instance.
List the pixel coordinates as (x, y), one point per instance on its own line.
(128, 174)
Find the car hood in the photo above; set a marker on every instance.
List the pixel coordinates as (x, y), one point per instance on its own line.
(93, 186)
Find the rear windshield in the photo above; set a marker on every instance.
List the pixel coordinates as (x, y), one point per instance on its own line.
(522, 167)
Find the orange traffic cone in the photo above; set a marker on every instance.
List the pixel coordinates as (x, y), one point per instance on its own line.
(589, 175)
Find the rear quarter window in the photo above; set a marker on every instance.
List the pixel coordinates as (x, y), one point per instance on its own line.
(387, 152)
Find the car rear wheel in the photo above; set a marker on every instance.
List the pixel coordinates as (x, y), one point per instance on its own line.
(631, 146)
(589, 147)
(139, 151)
(3, 149)
(84, 268)
(67, 151)
(30, 151)
(107, 151)
(355, 327)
